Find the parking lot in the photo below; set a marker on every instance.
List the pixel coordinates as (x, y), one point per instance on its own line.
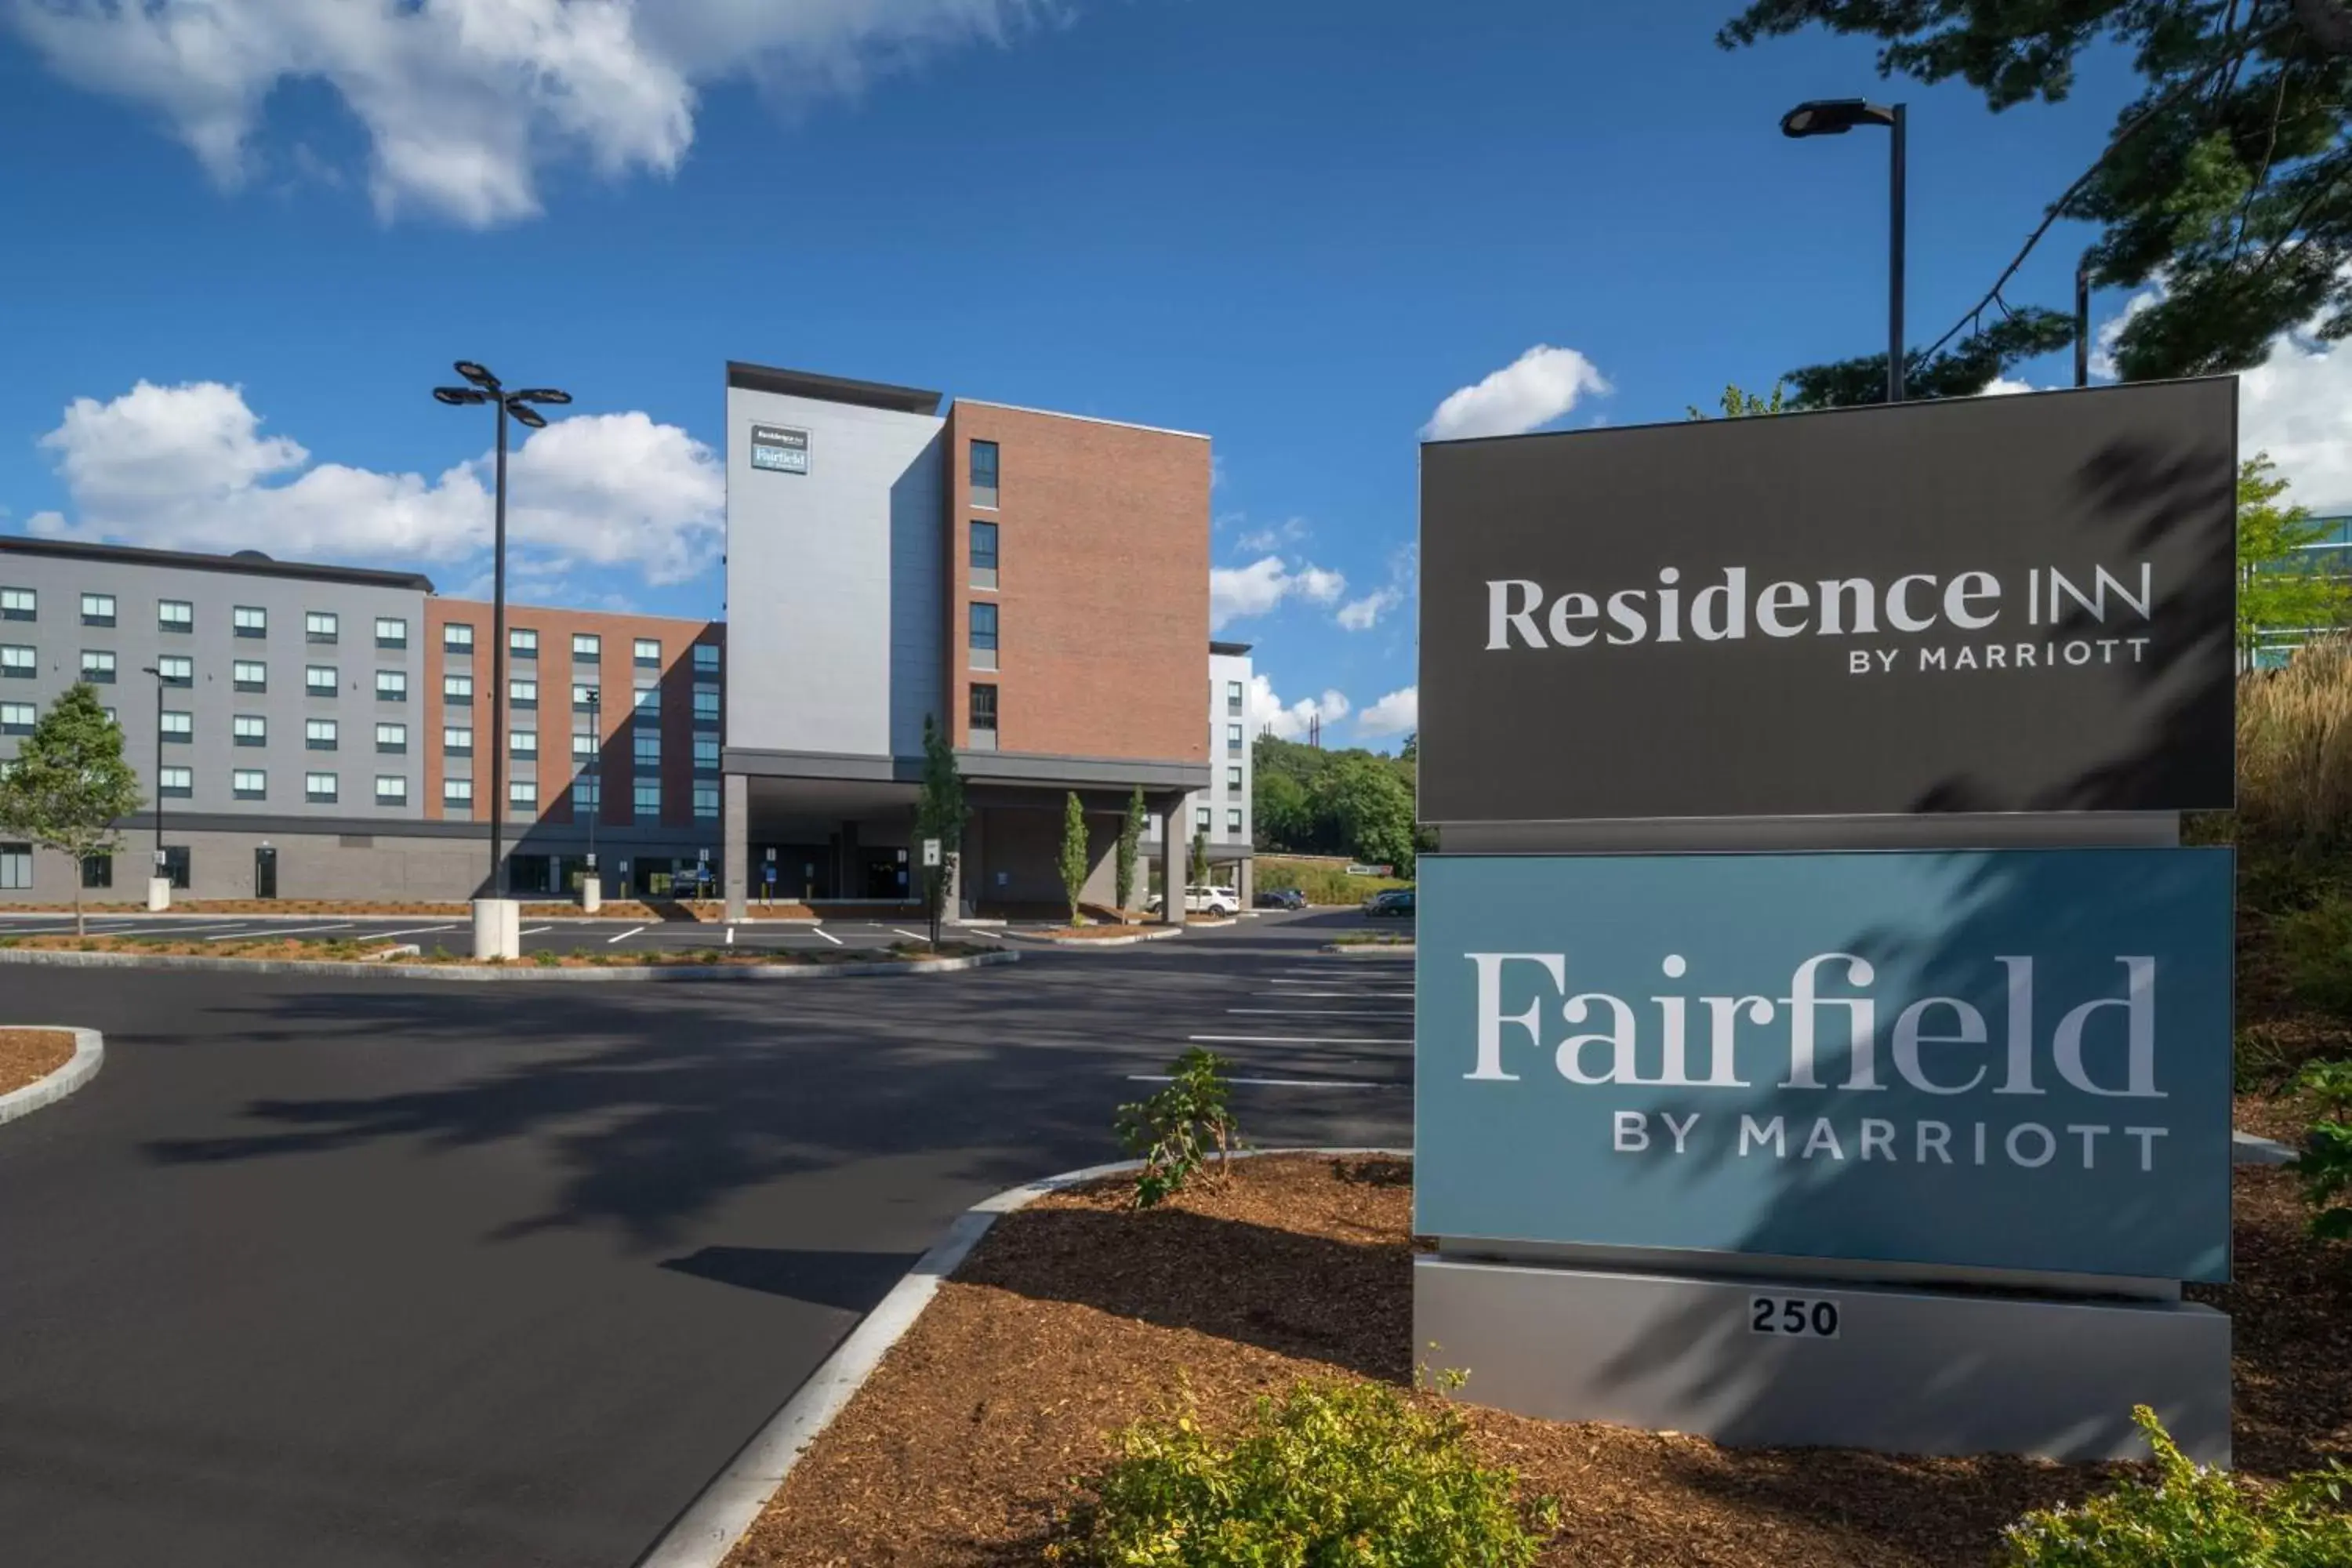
(454, 931)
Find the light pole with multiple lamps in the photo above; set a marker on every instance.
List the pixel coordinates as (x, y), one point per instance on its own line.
(159, 882)
(484, 387)
(1835, 117)
(592, 887)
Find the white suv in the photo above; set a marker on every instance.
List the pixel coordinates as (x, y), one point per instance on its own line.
(1203, 901)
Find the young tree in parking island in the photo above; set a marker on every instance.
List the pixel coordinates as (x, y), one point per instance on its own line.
(1130, 836)
(940, 812)
(70, 784)
(1073, 852)
(1198, 873)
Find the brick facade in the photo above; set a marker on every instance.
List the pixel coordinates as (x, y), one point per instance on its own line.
(1102, 585)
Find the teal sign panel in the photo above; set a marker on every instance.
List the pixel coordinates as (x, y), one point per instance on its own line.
(2002, 1058)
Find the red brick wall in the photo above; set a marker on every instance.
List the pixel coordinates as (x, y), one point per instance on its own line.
(554, 669)
(1102, 585)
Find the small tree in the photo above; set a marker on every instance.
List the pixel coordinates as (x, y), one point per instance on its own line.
(1741, 403)
(2277, 591)
(1073, 852)
(1130, 835)
(70, 784)
(940, 813)
(1198, 874)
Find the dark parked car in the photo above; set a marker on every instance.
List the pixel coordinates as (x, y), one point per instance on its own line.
(1396, 901)
(1281, 899)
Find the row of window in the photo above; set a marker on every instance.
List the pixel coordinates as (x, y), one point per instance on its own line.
(252, 783)
(99, 666)
(320, 788)
(1202, 819)
(459, 688)
(587, 647)
(179, 615)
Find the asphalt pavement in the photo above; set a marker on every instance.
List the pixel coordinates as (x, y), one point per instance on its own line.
(382, 1272)
(454, 931)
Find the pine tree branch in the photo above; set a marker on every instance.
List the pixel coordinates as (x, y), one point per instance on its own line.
(2326, 23)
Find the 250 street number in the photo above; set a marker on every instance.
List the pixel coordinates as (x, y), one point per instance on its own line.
(1792, 1317)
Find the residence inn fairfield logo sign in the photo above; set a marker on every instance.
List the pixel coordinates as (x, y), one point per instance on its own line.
(2008, 603)
(2009, 1060)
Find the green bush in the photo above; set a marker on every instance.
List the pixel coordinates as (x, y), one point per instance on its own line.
(1337, 1473)
(1173, 1132)
(2192, 1517)
(1321, 884)
(2317, 942)
(547, 958)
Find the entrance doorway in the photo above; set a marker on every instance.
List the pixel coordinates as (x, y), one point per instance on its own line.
(264, 872)
(888, 875)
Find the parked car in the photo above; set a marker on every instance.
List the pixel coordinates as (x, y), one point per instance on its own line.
(1397, 903)
(1281, 899)
(1201, 901)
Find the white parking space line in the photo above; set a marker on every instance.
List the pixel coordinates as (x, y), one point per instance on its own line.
(623, 936)
(337, 926)
(1278, 1082)
(228, 934)
(533, 931)
(176, 932)
(412, 930)
(830, 936)
(910, 936)
(1295, 1039)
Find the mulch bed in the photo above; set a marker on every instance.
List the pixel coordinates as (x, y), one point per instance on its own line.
(1075, 1316)
(353, 951)
(28, 1056)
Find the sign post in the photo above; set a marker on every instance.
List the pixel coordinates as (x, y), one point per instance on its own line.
(1821, 1036)
(932, 860)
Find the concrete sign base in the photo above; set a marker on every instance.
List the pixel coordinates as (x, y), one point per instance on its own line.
(497, 929)
(1754, 1362)
(159, 894)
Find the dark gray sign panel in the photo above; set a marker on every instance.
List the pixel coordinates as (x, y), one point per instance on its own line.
(1987, 605)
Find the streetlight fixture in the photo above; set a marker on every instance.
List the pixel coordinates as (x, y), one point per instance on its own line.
(1835, 117)
(161, 872)
(485, 388)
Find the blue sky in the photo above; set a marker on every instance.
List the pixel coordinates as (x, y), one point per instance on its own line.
(1299, 228)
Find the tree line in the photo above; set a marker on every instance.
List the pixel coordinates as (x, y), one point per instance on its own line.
(1357, 803)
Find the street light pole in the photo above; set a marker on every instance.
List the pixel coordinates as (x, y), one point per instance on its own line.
(596, 771)
(157, 672)
(1835, 117)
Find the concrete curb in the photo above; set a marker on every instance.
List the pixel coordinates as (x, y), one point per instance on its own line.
(1370, 948)
(2247, 1149)
(520, 973)
(708, 1530)
(1099, 941)
(89, 1055)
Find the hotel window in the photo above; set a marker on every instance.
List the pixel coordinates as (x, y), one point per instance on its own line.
(983, 718)
(457, 638)
(249, 621)
(249, 675)
(984, 554)
(706, 658)
(320, 789)
(391, 789)
(111, 718)
(18, 661)
(98, 666)
(178, 783)
(983, 637)
(458, 743)
(645, 749)
(646, 653)
(983, 473)
(18, 718)
(249, 784)
(16, 868)
(522, 742)
(322, 625)
(392, 737)
(706, 754)
(584, 747)
(1234, 821)
(523, 693)
(587, 647)
(97, 609)
(522, 795)
(19, 605)
(647, 793)
(1201, 818)
(1232, 735)
(177, 729)
(391, 631)
(319, 735)
(391, 686)
(1233, 696)
(319, 680)
(648, 703)
(706, 800)
(98, 871)
(456, 791)
(177, 670)
(175, 614)
(250, 729)
(1232, 778)
(587, 795)
(457, 689)
(523, 642)
(583, 698)
(706, 705)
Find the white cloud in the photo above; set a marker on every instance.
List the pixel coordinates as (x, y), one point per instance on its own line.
(1269, 713)
(1535, 389)
(1291, 530)
(2111, 332)
(1398, 713)
(189, 468)
(2001, 387)
(2297, 406)
(1236, 593)
(1362, 615)
(465, 102)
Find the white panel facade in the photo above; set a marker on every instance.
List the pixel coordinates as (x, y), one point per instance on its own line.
(1228, 796)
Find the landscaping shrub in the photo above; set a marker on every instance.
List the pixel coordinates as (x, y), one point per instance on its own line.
(2317, 942)
(2294, 747)
(1321, 884)
(2192, 1517)
(1337, 1473)
(1173, 1132)
(547, 958)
